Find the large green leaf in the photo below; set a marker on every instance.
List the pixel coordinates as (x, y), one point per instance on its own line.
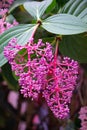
(16, 4)
(37, 9)
(64, 24)
(77, 8)
(8, 76)
(21, 32)
(75, 46)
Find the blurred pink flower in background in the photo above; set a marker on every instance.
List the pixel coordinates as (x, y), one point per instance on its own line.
(13, 98)
(6, 3)
(83, 117)
(23, 107)
(22, 125)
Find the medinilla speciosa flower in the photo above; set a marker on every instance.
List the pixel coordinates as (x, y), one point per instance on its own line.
(3, 12)
(5, 25)
(41, 71)
(61, 81)
(31, 66)
(83, 117)
(5, 3)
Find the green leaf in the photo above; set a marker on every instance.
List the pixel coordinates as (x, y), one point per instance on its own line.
(48, 39)
(37, 9)
(10, 18)
(16, 4)
(22, 16)
(61, 3)
(67, 6)
(75, 46)
(64, 24)
(51, 7)
(21, 32)
(77, 8)
(8, 76)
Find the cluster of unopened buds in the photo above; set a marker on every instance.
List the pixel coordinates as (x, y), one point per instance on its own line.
(83, 117)
(40, 71)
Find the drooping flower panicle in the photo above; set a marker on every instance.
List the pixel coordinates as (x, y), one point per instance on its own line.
(61, 81)
(39, 71)
(31, 71)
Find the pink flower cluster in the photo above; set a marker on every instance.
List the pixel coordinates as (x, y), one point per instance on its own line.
(3, 12)
(39, 72)
(6, 25)
(31, 67)
(83, 117)
(5, 3)
(61, 81)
